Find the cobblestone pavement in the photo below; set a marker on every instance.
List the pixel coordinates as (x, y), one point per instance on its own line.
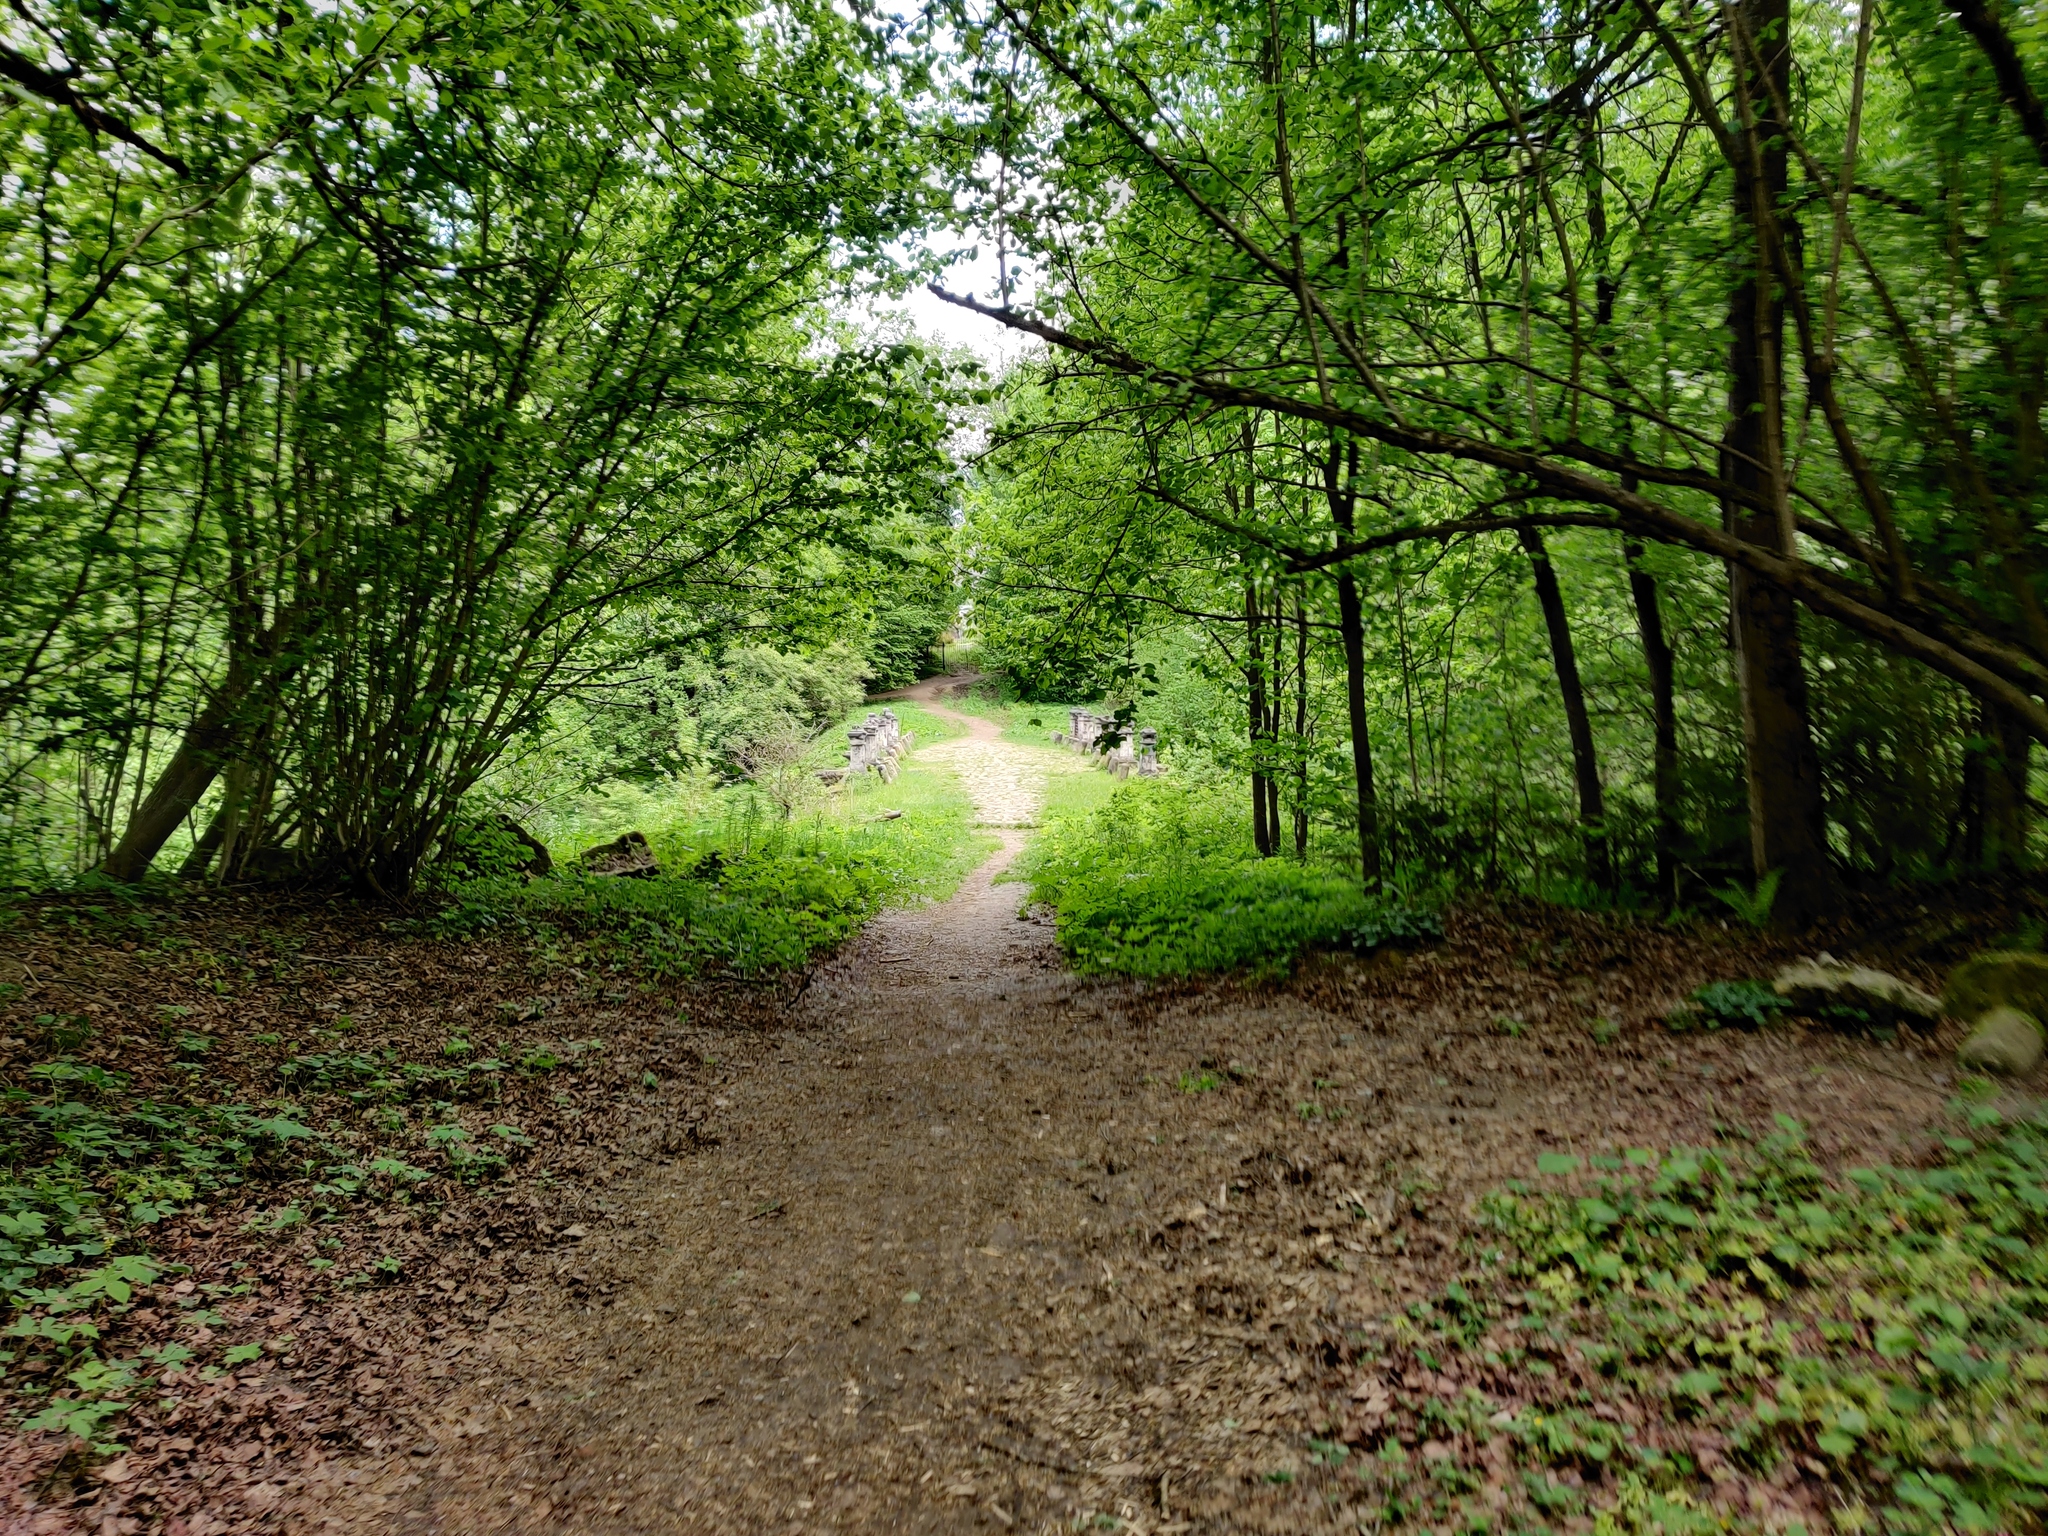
(1005, 780)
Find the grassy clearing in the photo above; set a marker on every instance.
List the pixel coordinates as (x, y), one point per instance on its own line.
(1869, 1352)
(697, 811)
(743, 890)
(1152, 878)
(1070, 795)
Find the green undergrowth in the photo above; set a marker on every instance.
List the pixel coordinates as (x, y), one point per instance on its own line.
(743, 892)
(1158, 880)
(1670, 1333)
(90, 1167)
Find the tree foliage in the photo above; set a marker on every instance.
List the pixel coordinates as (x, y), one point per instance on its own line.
(384, 376)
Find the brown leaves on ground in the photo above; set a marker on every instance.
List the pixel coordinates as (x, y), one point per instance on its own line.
(1279, 1170)
(364, 1310)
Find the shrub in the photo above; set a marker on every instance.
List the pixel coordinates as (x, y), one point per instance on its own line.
(1730, 1005)
(1157, 882)
(1886, 1330)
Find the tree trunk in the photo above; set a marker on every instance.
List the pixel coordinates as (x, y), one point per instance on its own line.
(1255, 677)
(202, 852)
(209, 742)
(1300, 730)
(1585, 763)
(2003, 790)
(1351, 631)
(1787, 823)
(1657, 658)
(1276, 708)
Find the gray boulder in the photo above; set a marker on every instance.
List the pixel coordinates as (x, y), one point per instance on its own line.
(2005, 1041)
(1826, 986)
(537, 862)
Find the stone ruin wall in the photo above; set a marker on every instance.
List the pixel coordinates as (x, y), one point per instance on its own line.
(874, 746)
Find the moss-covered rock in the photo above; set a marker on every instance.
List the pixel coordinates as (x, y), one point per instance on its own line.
(2005, 1041)
(1998, 978)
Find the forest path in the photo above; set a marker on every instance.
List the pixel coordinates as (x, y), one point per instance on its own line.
(975, 1244)
(1005, 781)
(801, 1321)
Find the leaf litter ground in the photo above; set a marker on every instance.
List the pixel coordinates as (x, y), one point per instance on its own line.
(940, 1237)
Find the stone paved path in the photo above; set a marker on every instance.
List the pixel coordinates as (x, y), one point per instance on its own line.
(1006, 781)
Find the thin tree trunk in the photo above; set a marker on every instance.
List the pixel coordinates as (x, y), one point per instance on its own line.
(1300, 730)
(1255, 677)
(1276, 708)
(2003, 789)
(1585, 763)
(1787, 822)
(1966, 832)
(194, 867)
(209, 742)
(1351, 630)
(1657, 657)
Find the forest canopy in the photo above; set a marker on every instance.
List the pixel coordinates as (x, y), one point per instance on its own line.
(1593, 449)
(1604, 441)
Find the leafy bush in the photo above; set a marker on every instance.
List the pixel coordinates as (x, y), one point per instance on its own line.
(1157, 882)
(761, 694)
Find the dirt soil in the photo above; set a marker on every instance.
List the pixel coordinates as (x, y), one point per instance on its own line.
(959, 1241)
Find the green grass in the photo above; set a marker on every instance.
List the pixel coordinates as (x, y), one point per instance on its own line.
(1016, 719)
(1155, 878)
(742, 890)
(1070, 795)
(1884, 1333)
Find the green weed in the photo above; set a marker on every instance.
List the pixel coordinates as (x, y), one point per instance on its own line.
(1157, 882)
(1753, 907)
(1886, 1331)
(1728, 1005)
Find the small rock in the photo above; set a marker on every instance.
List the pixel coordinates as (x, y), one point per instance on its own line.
(627, 856)
(1824, 984)
(1999, 978)
(574, 1234)
(2005, 1041)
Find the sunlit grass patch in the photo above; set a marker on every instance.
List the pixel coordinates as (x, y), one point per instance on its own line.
(742, 890)
(1155, 878)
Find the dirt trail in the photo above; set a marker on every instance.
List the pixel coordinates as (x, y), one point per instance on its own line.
(982, 1245)
(802, 1320)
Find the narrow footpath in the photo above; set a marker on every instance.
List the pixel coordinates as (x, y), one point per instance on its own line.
(979, 1245)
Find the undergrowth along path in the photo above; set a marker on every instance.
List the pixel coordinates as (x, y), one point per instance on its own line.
(972, 1243)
